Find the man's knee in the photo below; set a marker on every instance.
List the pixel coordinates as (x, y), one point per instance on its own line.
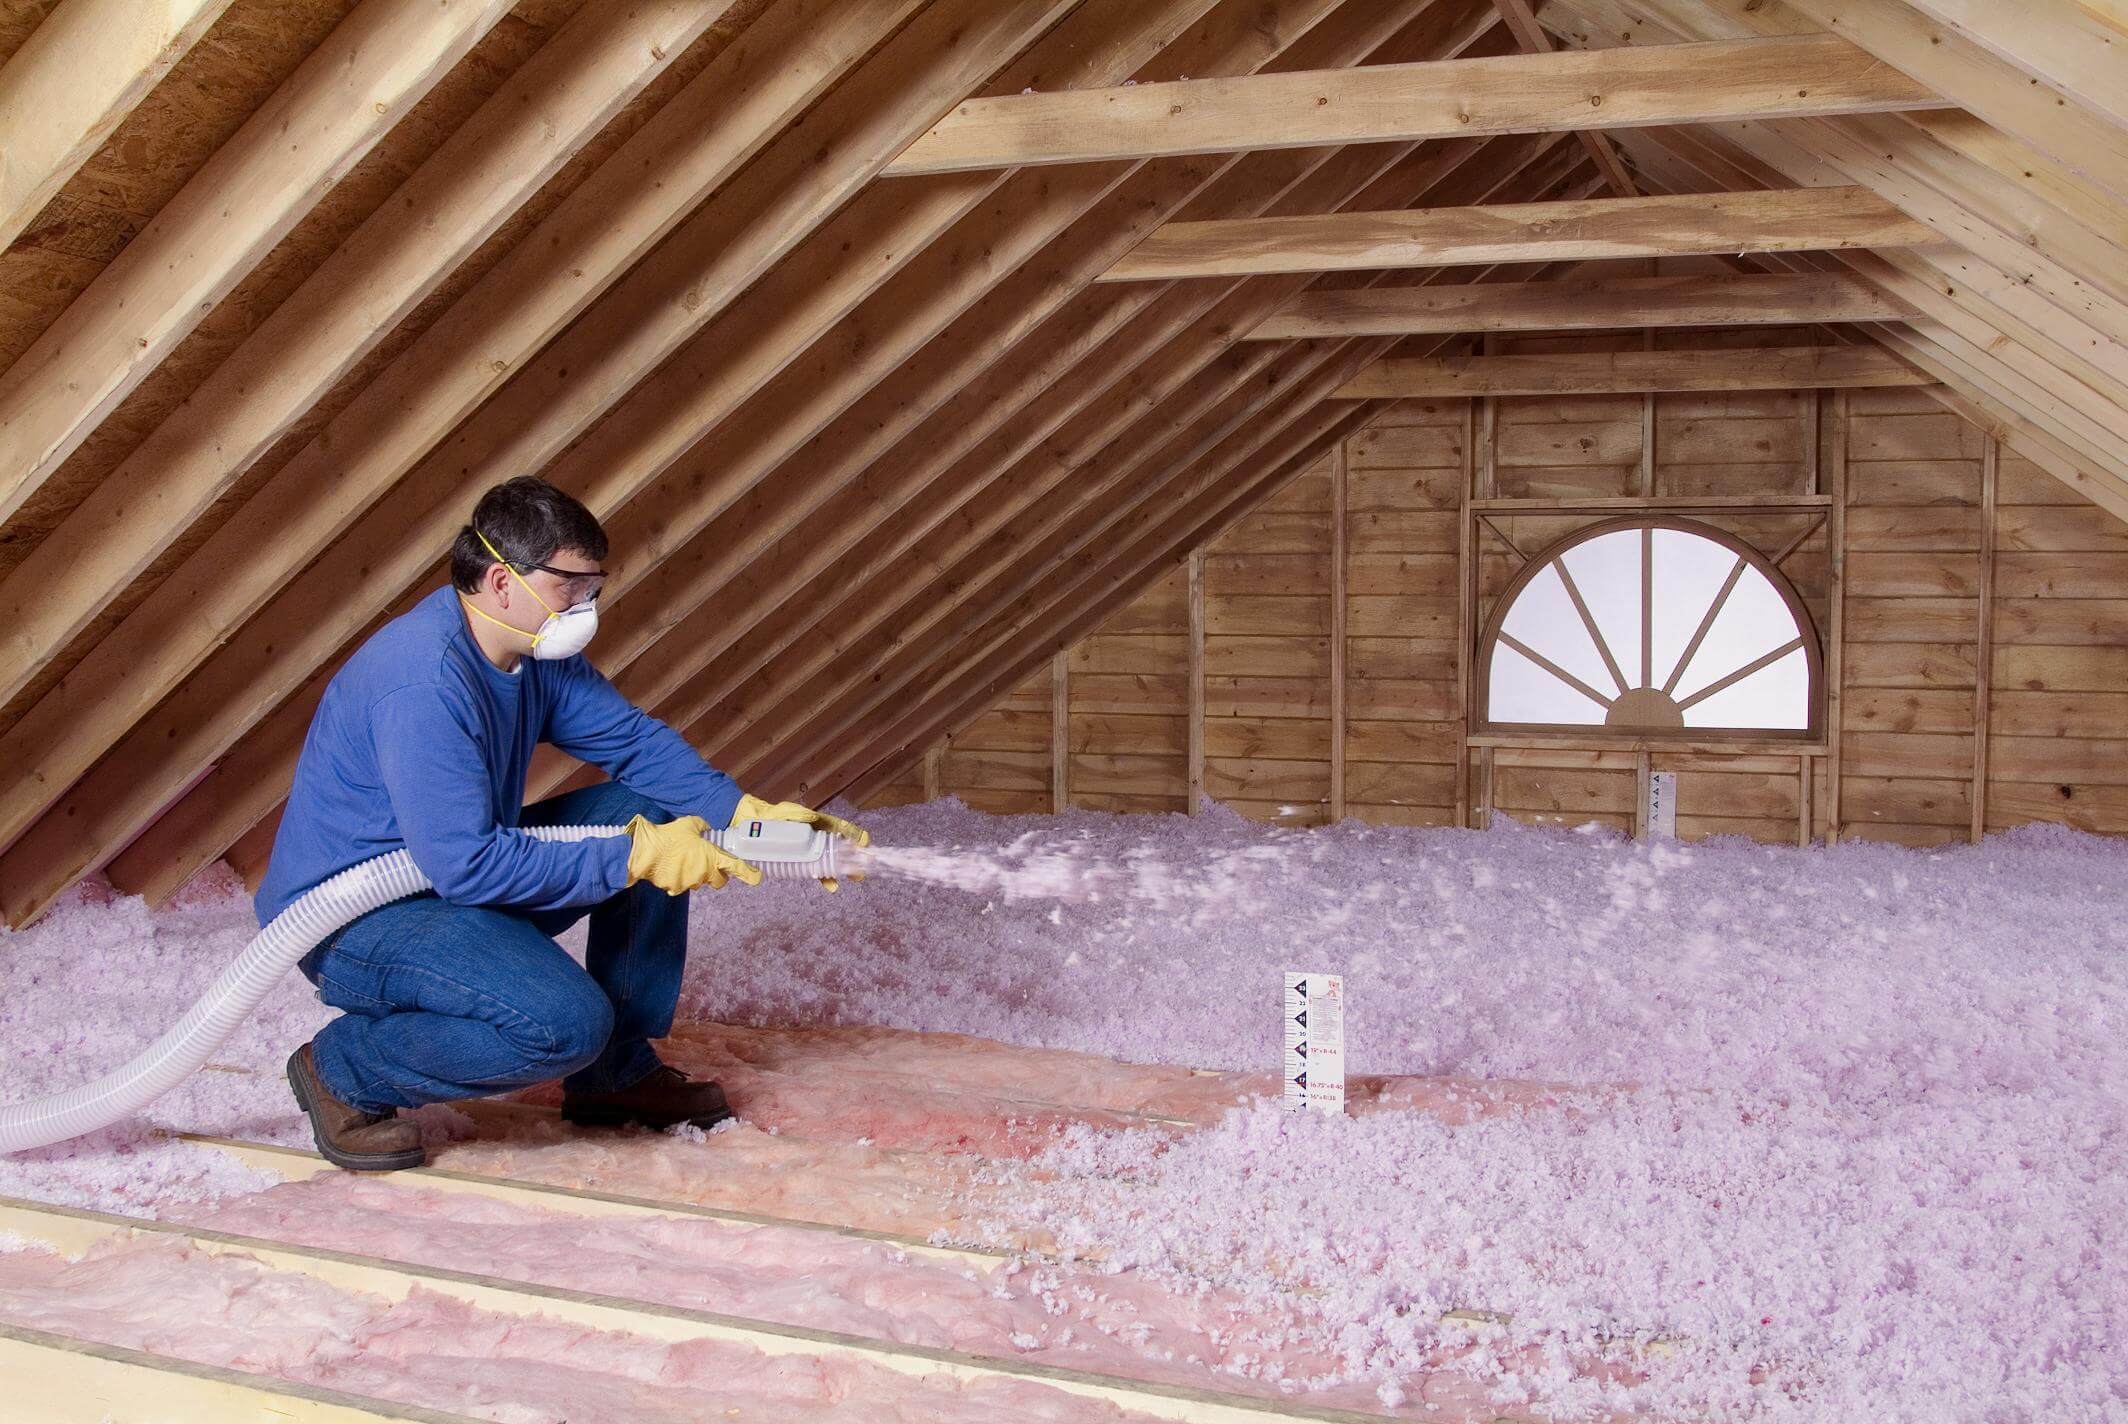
(577, 1028)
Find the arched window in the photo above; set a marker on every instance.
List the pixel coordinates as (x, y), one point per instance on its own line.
(1658, 627)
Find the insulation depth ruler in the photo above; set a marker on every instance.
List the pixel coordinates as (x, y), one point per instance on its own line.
(1661, 810)
(1315, 1041)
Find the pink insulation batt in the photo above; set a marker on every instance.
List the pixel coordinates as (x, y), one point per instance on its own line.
(1843, 1127)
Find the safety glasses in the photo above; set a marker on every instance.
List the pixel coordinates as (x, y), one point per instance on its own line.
(577, 584)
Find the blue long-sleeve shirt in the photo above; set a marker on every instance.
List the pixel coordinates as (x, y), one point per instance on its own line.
(421, 742)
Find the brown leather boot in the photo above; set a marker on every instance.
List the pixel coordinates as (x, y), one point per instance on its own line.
(663, 1099)
(349, 1137)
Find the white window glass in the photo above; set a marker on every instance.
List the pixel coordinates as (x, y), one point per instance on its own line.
(1719, 645)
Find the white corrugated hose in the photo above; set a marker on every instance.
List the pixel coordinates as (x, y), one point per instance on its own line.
(275, 950)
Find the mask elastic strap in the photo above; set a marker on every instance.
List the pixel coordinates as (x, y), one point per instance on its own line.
(535, 637)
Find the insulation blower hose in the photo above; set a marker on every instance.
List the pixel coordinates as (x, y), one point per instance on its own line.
(275, 950)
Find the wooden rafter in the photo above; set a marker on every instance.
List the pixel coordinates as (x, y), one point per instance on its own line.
(852, 447)
(345, 96)
(2078, 49)
(720, 249)
(1942, 58)
(979, 554)
(1666, 226)
(1587, 304)
(2018, 323)
(2033, 394)
(1528, 93)
(440, 216)
(72, 83)
(1048, 623)
(697, 141)
(871, 451)
(1017, 567)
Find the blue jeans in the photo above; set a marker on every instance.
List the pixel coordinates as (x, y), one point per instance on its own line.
(450, 1001)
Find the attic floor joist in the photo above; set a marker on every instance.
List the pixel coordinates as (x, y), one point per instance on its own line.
(73, 1230)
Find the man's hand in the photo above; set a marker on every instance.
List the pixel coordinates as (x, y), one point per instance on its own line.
(677, 857)
(753, 808)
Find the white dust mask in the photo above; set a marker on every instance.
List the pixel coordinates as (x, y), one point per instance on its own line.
(566, 632)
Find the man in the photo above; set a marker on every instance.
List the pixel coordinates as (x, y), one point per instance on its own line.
(422, 740)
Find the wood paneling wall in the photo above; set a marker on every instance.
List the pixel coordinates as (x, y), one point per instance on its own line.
(1929, 516)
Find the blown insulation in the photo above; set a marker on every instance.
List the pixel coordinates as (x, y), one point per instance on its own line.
(1842, 1128)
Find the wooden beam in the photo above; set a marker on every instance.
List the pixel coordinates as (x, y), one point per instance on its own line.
(1195, 733)
(2022, 211)
(73, 82)
(1789, 220)
(1619, 372)
(57, 1379)
(1339, 537)
(347, 95)
(1531, 36)
(504, 1297)
(1466, 599)
(1603, 303)
(1209, 499)
(2080, 50)
(1060, 732)
(952, 416)
(970, 287)
(496, 160)
(721, 248)
(1984, 651)
(1835, 466)
(1646, 473)
(1947, 62)
(1725, 81)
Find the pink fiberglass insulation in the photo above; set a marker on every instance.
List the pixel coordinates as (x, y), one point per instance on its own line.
(1119, 1323)
(1858, 1145)
(168, 1298)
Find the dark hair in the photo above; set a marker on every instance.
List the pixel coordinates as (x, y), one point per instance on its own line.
(528, 521)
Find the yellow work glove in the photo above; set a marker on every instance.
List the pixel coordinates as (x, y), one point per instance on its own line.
(753, 808)
(676, 856)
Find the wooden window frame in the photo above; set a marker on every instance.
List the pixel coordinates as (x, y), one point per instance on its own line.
(1602, 736)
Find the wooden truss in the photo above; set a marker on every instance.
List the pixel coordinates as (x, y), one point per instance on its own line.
(887, 375)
